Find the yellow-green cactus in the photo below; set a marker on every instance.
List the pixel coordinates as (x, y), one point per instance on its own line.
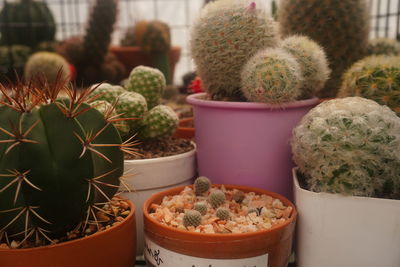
(47, 64)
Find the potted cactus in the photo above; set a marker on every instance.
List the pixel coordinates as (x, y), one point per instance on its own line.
(153, 127)
(61, 164)
(148, 43)
(258, 88)
(347, 185)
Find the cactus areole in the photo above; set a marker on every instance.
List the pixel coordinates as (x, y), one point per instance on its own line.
(60, 161)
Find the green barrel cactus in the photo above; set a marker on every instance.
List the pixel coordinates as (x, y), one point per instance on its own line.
(272, 76)
(224, 37)
(340, 27)
(383, 46)
(201, 185)
(216, 198)
(201, 207)
(26, 22)
(192, 218)
(223, 214)
(60, 161)
(350, 146)
(313, 63)
(160, 122)
(47, 64)
(376, 78)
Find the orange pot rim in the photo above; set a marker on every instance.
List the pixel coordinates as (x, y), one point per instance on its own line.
(184, 120)
(130, 217)
(232, 236)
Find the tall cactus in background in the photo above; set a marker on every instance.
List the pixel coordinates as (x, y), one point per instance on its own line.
(225, 36)
(59, 160)
(340, 27)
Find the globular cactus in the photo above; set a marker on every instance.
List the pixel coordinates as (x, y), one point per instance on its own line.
(201, 185)
(148, 82)
(108, 92)
(238, 195)
(60, 160)
(383, 46)
(47, 64)
(376, 78)
(272, 76)
(192, 218)
(132, 105)
(223, 214)
(216, 198)
(201, 207)
(351, 146)
(160, 122)
(313, 63)
(224, 37)
(340, 27)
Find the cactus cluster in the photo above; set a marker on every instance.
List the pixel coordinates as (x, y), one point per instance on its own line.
(201, 185)
(191, 218)
(60, 161)
(351, 146)
(224, 37)
(376, 78)
(341, 27)
(47, 64)
(383, 46)
(216, 198)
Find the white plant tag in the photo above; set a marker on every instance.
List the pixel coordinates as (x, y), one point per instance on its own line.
(159, 256)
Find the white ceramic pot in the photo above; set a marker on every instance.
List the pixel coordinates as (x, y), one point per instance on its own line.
(335, 230)
(149, 176)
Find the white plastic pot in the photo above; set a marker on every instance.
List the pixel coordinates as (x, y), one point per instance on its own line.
(335, 230)
(149, 176)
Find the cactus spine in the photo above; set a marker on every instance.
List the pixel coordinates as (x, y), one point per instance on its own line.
(225, 36)
(350, 146)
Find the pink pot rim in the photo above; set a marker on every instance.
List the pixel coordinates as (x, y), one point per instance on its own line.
(198, 100)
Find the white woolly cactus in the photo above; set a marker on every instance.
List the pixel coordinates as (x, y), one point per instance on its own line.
(350, 146)
(271, 76)
(47, 64)
(313, 63)
(160, 122)
(224, 37)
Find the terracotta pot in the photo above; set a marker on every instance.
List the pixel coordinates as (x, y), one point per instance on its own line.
(176, 248)
(132, 56)
(185, 129)
(112, 247)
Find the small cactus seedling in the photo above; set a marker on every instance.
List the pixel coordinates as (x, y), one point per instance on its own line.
(148, 82)
(201, 207)
(160, 122)
(223, 214)
(216, 198)
(201, 185)
(191, 218)
(272, 76)
(383, 46)
(238, 196)
(313, 63)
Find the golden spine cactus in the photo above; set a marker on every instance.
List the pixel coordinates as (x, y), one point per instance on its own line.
(224, 37)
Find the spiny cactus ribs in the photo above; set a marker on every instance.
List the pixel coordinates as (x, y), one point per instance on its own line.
(60, 161)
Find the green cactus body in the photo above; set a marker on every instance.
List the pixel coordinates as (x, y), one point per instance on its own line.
(51, 174)
(13, 58)
(340, 27)
(26, 22)
(160, 122)
(223, 214)
(201, 185)
(132, 105)
(351, 146)
(47, 64)
(108, 92)
(313, 63)
(148, 82)
(192, 218)
(376, 78)
(272, 76)
(383, 46)
(201, 207)
(226, 35)
(216, 198)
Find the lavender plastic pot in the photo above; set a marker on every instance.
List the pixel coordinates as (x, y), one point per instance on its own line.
(247, 143)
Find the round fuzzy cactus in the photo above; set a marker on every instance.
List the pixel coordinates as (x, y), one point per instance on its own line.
(108, 92)
(313, 63)
(238, 196)
(201, 207)
(224, 37)
(383, 46)
(192, 218)
(376, 78)
(272, 76)
(160, 122)
(223, 214)
(216, 198)
(148, 82)
(48, 64)
(201, 185)
(131, 105)
(350, 146)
